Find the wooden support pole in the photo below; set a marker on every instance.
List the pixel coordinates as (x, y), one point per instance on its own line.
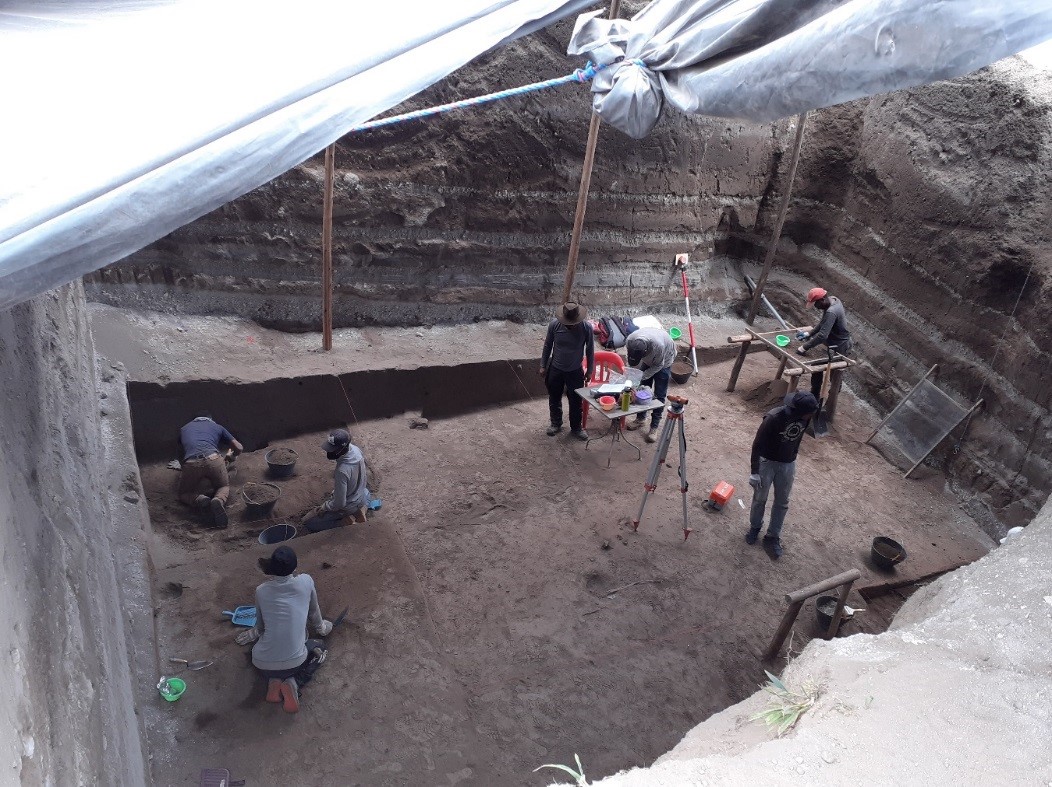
(777, 233)
(326, 250)
(781, 368)
(788, 619)
(836, 380)
(834, 624)
(738, 366)
(582, 192)
(820, 587)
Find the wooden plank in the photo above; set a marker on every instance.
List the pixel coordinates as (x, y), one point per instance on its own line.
(834, 624)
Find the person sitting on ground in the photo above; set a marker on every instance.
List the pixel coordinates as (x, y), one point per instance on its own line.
(831, 331)
(350, 496)
(568, 345)
(773, 463)
(285, 605)
(653, 351)
(202, 461)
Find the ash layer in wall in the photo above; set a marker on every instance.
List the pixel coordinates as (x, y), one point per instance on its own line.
(467, 215)
(927, 211)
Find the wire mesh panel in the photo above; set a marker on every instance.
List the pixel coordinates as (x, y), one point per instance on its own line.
(920, 422)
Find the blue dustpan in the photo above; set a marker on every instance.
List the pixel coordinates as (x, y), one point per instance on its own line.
(242, 616)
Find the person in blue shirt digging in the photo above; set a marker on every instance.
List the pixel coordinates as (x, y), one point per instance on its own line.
(203, 462)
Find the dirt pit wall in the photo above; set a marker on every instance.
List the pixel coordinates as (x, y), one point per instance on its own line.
(66, 709)
(260, 412)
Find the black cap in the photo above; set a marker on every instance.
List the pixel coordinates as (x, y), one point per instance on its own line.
(801, 402)
(636, 349)
(282, 562)
(337, 439)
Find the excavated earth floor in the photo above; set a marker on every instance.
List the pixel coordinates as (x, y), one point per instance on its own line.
(503, 613)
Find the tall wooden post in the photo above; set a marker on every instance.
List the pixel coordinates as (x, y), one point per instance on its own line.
(326, 250)
(582, 193)
(768, 260)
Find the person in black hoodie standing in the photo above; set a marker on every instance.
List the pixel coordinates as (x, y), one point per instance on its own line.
(773, 463)
(569, 347)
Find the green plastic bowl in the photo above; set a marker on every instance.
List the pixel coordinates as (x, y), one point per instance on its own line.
(782, 340)
(675, 333)
(171, 688)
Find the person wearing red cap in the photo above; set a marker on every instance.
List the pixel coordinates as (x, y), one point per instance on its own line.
(831, 330)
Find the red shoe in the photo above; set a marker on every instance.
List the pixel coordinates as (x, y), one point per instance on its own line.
(290, 692)
(274, 690)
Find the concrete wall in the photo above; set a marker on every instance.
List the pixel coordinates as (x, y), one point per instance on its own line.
(66, 713)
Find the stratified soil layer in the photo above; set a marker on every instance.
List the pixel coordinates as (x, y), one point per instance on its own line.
(926, 211)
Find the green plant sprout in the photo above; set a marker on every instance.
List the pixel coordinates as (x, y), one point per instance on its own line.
(785, 706)
(578, 776)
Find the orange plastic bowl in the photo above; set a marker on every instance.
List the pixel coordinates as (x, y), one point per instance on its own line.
(607, 402)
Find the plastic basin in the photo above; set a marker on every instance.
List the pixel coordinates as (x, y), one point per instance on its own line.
(275, 534)
(607, 402)
(675, 333)
(781, 340)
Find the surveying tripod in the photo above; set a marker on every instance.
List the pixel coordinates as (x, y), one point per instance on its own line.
(675, 418)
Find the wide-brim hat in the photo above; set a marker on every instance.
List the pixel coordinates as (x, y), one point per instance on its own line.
(571, 313)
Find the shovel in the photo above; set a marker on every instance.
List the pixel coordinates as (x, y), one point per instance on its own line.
(193, 666)
(340, 618)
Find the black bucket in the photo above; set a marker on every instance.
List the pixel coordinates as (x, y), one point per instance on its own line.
(284, 468)
(887, 553)
(825, 608)
(256, 508)
(275, 534)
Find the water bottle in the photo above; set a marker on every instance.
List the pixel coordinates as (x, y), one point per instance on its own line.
(626, 399)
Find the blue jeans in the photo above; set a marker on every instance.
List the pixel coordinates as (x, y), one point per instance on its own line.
(780, 475)
(660, 383)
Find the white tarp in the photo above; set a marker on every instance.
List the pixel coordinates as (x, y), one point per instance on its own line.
(762, 60)
(123, 120)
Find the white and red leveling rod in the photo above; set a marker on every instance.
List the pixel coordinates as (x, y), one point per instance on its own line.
(682, 260)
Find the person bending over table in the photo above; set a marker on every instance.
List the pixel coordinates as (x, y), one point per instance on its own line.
(653, 351)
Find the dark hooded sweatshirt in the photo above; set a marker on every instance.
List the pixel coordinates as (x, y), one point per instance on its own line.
(778, 438)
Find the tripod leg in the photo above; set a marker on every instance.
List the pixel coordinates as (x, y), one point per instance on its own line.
(655, 471)
(683, 484)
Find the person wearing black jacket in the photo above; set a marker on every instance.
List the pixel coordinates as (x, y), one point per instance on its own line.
(773, 463)
(831, 331)
(569, 347)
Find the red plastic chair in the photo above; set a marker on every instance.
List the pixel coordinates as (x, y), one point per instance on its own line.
(605, 363)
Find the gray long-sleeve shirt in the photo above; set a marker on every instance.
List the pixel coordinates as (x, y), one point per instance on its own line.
(350, 491)
(832, 329)
(284, 607)
(661, 350)
(566, 345)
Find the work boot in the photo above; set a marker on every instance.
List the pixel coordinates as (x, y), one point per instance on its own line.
(652, 435)
(290, 693)
(219, 516)
(553, 430)
(202, 501)
(752, 535)
(635, 424)
(580, 434)
(774, 544)
(274, 690)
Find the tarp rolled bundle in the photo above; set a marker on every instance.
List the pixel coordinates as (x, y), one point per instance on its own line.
(762, 60)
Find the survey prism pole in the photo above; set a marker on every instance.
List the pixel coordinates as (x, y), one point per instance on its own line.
(682, 260)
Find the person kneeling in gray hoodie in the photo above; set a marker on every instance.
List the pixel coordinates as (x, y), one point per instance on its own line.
(350, 496)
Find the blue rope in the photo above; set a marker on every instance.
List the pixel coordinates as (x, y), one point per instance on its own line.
(579, 75)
